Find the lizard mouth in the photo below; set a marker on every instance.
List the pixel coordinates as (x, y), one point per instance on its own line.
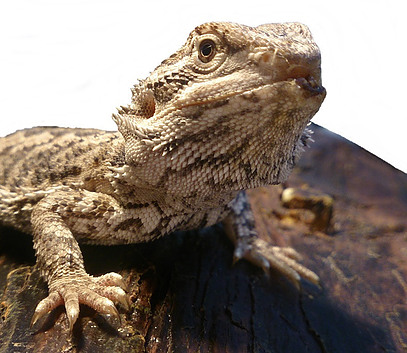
(306, 76)
(310, 85)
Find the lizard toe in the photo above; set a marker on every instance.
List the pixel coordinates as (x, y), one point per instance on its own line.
(112, 279)
(99, 303)
(71, 308)
(45, 306)
(117, 295)
(283, 259)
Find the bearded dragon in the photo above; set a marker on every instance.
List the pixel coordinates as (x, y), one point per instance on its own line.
(225, 113)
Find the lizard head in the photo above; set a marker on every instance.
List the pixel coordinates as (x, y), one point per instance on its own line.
(228, 111)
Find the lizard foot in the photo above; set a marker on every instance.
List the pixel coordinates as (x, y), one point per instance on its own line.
(100, 293)
(283, 259)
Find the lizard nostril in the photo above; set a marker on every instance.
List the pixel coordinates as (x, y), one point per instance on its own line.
(298, 71)
(266, 57)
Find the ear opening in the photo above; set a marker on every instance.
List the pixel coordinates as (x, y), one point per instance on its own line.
(142, 107)
(143, 103)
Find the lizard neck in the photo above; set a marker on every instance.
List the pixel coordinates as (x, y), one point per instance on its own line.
(131, 188)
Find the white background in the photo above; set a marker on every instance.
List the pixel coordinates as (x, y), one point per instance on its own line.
(70, 63)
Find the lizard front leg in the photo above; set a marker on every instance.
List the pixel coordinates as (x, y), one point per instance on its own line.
(240, 227)
(59, 257)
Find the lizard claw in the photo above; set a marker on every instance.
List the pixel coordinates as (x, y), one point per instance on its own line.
(99, 293)
(45, 306)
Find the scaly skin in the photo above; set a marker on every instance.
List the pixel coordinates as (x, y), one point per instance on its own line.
(225, 113)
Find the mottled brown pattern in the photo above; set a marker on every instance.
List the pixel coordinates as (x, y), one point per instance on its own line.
(227, 112)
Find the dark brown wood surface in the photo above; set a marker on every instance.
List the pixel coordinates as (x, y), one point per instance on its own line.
(188, 297)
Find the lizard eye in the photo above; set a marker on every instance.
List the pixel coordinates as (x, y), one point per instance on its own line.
(207, 50)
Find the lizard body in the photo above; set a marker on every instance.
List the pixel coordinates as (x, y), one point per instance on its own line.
(225, 113)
